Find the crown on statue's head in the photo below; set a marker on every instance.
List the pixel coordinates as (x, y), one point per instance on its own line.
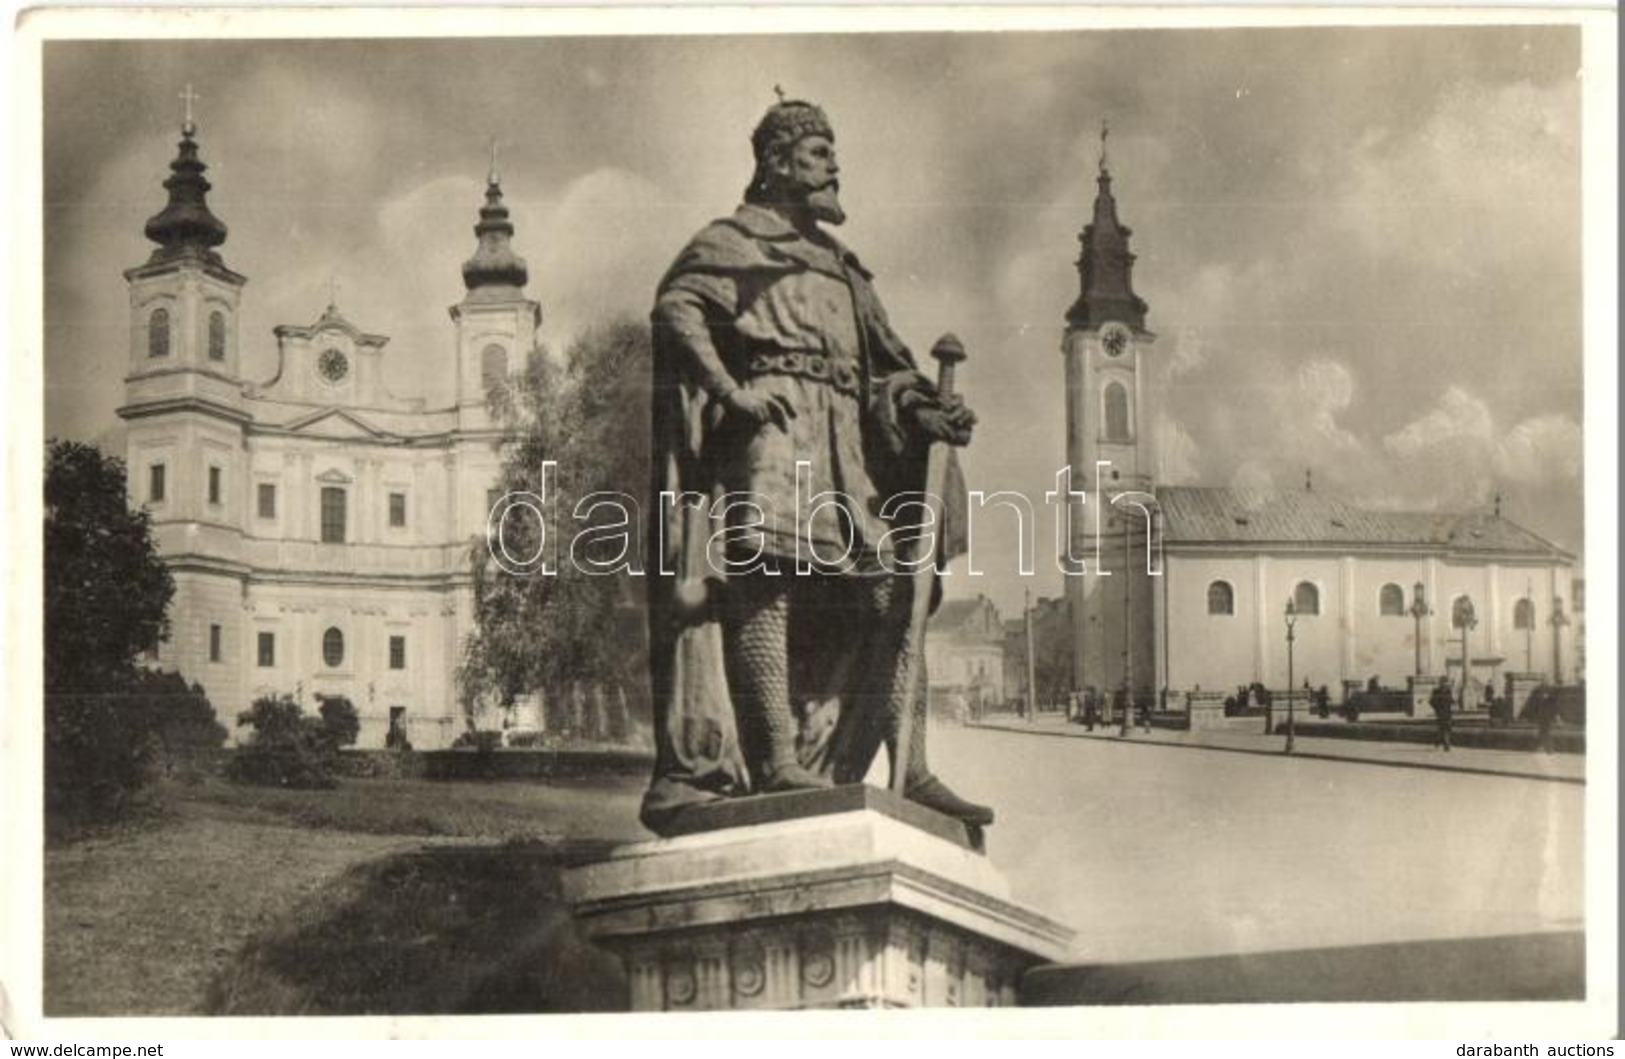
(786, 122)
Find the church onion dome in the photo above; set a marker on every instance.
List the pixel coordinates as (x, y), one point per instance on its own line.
(1106, 267)
(495, 272)
(185, 227)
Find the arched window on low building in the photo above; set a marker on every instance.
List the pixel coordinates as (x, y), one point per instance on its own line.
(1523, 614)
(1221, 598)
(1391, 601)
(1306, 598)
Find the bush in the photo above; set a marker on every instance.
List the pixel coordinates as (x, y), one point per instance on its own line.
(103, 748)
(482, 740)
(289, 749)
(341, 725)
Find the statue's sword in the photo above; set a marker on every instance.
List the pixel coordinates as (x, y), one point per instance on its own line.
(948, 352)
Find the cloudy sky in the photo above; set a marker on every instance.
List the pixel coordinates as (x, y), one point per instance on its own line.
(1361, 246)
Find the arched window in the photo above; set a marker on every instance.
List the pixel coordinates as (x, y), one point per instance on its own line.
(158, 333)
(1391, 601)
(1116, 412)
(217, 336)
(1523, 614)
(1306, 598)
(493, 366)
(1221, 598)
(333, 648)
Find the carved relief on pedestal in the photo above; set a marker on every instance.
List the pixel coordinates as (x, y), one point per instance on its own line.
(748, 971)
(817, 951)
(845, 961)
(691, 943)
(681, 987)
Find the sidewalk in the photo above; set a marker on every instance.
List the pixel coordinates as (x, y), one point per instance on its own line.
(1557, 768)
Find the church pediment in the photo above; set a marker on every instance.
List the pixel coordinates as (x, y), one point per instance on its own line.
(338, 424)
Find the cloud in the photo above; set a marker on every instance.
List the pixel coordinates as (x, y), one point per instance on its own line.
(1325, 390)
(1456, 453)
(1177, 454)
(603, 248)
(1489, 178)
(1188, 354)
(1548, 448)
(1459, 419)
(1252, 474)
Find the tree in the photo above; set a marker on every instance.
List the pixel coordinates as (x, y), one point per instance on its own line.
(341, 724)
(290, 749)
(103, 747)
(557, 633)
(106, 590)
(109, 725)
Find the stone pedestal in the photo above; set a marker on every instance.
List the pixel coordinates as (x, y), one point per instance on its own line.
(829, 899)
(1205, 710)
(1518, 687)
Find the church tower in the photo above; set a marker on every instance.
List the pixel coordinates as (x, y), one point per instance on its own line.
(1108, 450)
(496, 331)
(184, 406)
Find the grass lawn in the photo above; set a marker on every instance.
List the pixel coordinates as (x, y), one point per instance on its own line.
(383, 896)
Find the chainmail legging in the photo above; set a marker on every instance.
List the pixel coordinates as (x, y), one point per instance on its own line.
(870, 616)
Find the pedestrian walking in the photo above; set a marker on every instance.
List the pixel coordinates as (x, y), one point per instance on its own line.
(1442, 702)
(1545, 710)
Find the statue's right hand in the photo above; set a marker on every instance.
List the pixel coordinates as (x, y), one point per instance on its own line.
(760, 408)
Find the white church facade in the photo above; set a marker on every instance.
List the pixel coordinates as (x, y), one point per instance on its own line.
(319, 527)
(1375, 594)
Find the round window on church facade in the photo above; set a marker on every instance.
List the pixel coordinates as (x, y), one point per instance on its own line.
(333, 648)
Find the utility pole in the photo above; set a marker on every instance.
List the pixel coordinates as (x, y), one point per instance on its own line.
(1291, 637)
(1559, 619)
(1032, 667)
(1464, 617)
(1128, 615)
(1419, 610)
(1529, 628)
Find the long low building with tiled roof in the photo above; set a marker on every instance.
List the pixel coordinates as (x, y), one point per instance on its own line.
(1232, 558)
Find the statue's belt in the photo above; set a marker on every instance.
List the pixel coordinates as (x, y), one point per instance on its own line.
(841, 375)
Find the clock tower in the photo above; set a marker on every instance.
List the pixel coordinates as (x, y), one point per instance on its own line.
(186, 416)
(1105, 347)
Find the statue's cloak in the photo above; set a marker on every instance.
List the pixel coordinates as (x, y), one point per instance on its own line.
(697, 750)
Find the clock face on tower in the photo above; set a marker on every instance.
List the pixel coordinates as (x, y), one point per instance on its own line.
(1114, 339)
(333, 365)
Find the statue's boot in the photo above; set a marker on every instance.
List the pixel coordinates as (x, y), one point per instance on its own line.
(932, 793)
(790, 776)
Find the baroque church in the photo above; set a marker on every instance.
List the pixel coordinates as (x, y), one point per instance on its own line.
(318, 526)
(1201, 608)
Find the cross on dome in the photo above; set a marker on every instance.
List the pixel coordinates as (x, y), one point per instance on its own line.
(189, 97)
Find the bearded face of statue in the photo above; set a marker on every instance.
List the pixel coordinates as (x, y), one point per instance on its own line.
(810, 176)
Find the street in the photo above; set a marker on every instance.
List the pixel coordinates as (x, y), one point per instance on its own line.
(1153, 852)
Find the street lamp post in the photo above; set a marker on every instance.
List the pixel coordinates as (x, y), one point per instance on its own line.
(1467, 620)
(1559, 619)
(1291, 635)
(1419, 610)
